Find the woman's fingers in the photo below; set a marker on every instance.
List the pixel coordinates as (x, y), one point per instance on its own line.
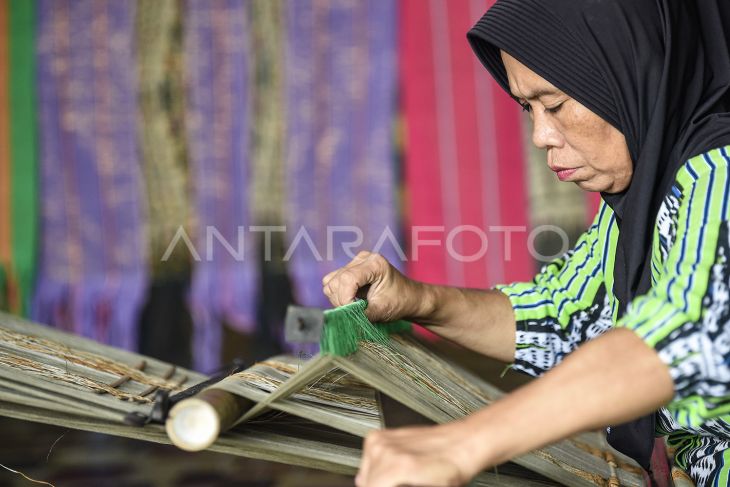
(362, 472)
(416, 456)
(350, 281)
(356, 260)
(370, 276)
(341, 286)
(326, 279)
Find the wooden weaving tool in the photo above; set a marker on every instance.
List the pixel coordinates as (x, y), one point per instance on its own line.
(401, 373)
(52, 377)
(301, 412)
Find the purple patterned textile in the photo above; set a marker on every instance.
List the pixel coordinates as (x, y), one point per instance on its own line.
(225, 277)
(92, 275)
(341, 97)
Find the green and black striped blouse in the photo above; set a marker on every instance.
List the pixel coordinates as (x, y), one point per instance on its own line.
(685, 316)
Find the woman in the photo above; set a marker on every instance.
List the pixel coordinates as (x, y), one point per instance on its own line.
(629, 98)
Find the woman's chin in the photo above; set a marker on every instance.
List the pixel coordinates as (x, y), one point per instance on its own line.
(592, 185)
(596, 184)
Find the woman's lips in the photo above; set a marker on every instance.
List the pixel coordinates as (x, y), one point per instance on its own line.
(564, 174)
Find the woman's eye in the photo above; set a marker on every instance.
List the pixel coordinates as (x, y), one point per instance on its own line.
(554, 109)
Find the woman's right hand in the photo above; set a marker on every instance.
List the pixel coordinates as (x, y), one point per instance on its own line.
(390, 295)
(479, 319)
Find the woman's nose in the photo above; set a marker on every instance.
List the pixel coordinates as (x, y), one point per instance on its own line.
(544, 133)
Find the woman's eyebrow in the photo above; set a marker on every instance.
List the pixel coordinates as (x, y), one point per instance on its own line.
(537, 94)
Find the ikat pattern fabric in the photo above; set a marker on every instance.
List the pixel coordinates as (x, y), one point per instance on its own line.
(162, 141)
(341, 80)
(223, 289)
(92, 273)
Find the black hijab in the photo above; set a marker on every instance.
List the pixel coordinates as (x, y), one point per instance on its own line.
(658, 71)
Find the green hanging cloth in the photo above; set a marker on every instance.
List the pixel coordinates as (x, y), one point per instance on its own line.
(18, 161)
(5, 174)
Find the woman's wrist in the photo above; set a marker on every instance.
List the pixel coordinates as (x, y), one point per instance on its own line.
(478, 452)
(436, 305)
(422, 301)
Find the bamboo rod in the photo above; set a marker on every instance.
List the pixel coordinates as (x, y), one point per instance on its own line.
(195, 423)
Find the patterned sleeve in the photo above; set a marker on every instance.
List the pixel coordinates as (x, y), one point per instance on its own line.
(565, 304)
(685, 316)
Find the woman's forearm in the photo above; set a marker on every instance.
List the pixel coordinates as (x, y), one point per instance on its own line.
(481, 320)
(613, 379)
(609, 380)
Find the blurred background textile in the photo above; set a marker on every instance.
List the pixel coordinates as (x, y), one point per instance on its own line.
(340, 76)
(173, 173)
(218, 69)
(92, 260)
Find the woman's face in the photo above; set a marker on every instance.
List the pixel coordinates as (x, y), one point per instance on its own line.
(581, 146)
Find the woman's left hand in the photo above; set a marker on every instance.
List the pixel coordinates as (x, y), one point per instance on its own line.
(592, 387)
(434, 456)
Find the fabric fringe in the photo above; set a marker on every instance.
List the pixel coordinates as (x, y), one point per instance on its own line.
(217, 297)
(101, 308)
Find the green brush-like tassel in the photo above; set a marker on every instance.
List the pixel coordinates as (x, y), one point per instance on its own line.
(346, 326)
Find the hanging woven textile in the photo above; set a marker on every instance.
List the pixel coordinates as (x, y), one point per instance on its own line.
(162, 133)
(93, 253)
(268, 179)
(267, 170)
(341, 80)
(224, 277)
(18, 164)
(464, 167)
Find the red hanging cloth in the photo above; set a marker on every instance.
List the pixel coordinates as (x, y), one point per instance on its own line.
(464, 162)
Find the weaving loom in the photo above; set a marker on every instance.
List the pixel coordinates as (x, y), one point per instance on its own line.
(301, 412)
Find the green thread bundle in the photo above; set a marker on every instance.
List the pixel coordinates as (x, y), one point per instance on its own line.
(346, 326)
